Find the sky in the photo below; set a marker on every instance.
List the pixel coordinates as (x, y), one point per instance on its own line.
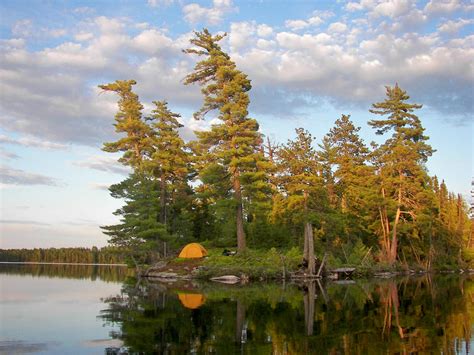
(309, 62)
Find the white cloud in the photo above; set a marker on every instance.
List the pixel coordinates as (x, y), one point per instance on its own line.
(103, 163)
(241, 35)
(264, 30)
(442, 6)
(195, 13)
(296, 25)
(4, 154)
(32, 142)
(337, 27)
(22, 28)
(453, 26)
(156, 3)
(393, 8)
(317, 18)
(83, 36)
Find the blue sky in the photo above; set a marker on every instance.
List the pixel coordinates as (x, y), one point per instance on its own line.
(309, 62)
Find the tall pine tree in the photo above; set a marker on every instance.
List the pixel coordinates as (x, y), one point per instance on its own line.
(233, 145)
(401, 172)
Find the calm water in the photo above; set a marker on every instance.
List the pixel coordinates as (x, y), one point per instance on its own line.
(95, 310)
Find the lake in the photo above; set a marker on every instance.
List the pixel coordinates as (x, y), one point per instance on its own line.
(73, 309)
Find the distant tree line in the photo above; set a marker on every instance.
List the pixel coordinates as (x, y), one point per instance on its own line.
(94, 255)
(71, 271)
(234, 187)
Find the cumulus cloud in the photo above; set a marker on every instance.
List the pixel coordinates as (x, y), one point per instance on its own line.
(83, 36)
(453, 26)
(10, 176)
(103, 163)
(442, 6)
(264, 30)
(195, 13)
(337, 27)
(317, 18)
(58, 84)
(346, 60)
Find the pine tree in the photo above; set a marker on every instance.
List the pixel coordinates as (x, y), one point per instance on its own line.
(352, 175)
(139, 231)
(301, 186)
(169, 158)
(233, 145)
(400, 166)
(129, 121)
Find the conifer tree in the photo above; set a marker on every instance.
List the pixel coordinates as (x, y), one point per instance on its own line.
(400, 160)
(233, 145)
(139, 231)
(129, 121)
(351, 173)
(302, 187)
(169, 160)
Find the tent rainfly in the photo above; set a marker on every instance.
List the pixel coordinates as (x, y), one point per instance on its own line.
(193, 250)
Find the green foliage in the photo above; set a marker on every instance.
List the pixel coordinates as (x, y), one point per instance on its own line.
(358, 205)
(229, 155)
(253, 263)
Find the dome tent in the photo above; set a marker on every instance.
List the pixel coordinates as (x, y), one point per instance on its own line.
(193, 250)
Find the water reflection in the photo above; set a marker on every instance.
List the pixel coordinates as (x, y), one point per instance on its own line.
(386, 316)
(107, 273)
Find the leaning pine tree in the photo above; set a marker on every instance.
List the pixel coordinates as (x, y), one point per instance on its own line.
(400, 163)
(139, 229)
(234, 143)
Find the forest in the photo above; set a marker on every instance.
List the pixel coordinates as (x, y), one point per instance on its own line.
(94, 255)
(234, 187)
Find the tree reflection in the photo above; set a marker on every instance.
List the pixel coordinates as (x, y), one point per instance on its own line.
(419, 315)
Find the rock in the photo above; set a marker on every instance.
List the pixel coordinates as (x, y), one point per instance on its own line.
(156, 267)
(227, 279)
(163, 275)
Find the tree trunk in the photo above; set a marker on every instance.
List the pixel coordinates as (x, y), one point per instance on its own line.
(163, 200)
(394, 246)
(310, 239)
(305, 248)
(308, 252)
(241, 245)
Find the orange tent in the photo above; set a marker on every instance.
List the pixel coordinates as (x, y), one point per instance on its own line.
(191, 300)
(193, 250)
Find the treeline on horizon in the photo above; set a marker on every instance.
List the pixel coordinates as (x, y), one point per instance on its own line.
(94, 255)
(234, 187)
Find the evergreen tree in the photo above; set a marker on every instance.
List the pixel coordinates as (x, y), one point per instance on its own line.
(233, 145)
(301, 186)
(139, 231)
(169, 159)
(401, 173)
(352, 175)
(129, 121)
